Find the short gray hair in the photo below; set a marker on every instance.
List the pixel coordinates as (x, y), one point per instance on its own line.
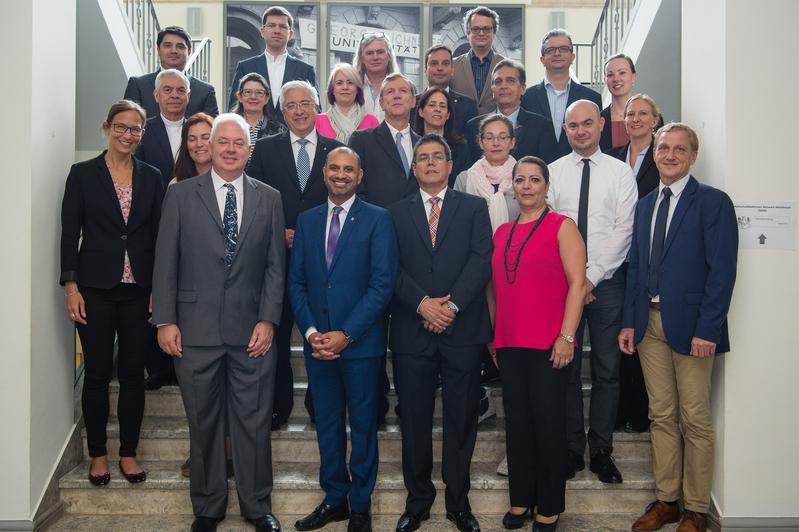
(557, 32)
(298, 84)
(172, 73)
(392, 77)
(224, 118)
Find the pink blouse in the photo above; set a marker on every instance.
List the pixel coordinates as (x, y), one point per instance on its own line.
(324, 128)
(125, 196)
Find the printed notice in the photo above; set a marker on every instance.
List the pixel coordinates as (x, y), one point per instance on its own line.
(766, 225)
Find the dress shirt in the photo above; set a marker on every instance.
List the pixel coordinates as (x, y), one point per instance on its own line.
(480, 70)
(276, 67)
(638, 160)
(312, 139)
(612, 196)
(371, 101)
(676, 191)
(173, 130)
(427, 207)
(220, 190)
(406, 140)
(513, 117)
(557, 104)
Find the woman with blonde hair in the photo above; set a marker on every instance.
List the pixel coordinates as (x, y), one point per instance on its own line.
(347, 112)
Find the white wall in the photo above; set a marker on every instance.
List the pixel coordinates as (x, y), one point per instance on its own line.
(740, 96)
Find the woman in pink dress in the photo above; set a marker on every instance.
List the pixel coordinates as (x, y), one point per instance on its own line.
(537, 290)
(347, 112)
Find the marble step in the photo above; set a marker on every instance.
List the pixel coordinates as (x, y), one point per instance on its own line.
(569, 522)
(167, 438)
(296, 489)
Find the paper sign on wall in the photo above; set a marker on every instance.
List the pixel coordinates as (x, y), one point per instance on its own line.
(766, 224)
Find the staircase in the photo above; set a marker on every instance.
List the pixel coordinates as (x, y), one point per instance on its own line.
(162, 503)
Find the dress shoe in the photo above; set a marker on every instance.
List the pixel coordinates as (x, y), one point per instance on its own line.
(185, 468)
(657, 514)
(574, 463)
(133, 478)
(278, 421)
(322, 515)
(465, 521)
(692, 522)
(409, 521)
(267, 523)
(603, 465)
(204, 524)
(100, 480)
(156, 381)
(513, 521)
(360, 522)
(636, 428)
(545, 527)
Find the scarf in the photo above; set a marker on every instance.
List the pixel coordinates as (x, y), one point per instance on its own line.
(344, 124)
(482, 177)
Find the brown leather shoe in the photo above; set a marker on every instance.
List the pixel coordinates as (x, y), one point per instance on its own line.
(692, 522)
(657, 514)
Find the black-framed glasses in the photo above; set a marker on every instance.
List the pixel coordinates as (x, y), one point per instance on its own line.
(562, 49)
(121, 129)
(485, 30)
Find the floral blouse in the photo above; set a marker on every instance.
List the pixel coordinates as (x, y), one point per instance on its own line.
(125, 196)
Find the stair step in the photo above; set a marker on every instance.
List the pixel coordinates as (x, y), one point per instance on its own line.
(296, 487)
(167, 438)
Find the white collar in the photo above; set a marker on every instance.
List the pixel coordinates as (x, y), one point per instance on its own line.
(676, 188)
(426, 197)
(310, 137)
(346, 206)
(218, 182)
(173, 123)
(404, 131)
(594, 157)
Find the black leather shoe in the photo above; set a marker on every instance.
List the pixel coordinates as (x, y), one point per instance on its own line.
(360, 522)
(409, 521)
(267, 523)
(278, 421)
(574, 463)
(322, 515)
(545, 527)
(514, 521)
(156, 381)
(204, 524)
(465, 521)
(603, 465)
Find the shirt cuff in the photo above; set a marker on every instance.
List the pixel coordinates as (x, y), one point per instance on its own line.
(159, 325)
(309, 331)
(419, 306)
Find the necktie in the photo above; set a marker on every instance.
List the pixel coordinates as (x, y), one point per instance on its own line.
(435, 214)
(332, 236)
(582, 210)
(402, 155)
(230, 224)
(658, 239)
(303, 164)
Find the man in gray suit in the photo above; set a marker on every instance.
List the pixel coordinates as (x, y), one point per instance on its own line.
(217, 295)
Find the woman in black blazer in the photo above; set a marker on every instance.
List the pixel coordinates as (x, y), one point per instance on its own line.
(109, 221)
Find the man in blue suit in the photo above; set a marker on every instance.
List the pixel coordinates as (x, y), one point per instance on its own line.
(341, 278)
(679, 285)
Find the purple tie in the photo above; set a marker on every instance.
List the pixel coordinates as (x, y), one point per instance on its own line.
(332, 236)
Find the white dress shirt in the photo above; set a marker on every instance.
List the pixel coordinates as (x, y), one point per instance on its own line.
(220, 190)
(676, 191)
(371, 101)
(173, 130)
(276, 67)
(312, 139)
(407, 145)
(612, 196)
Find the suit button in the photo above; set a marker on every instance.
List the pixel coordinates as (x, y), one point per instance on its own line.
(124, 237)
(221, 260)
(330, 286)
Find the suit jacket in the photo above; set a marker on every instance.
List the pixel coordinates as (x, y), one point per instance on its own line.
(91, 216)
(295, 69)
(212, 304)
(534, 136)
(463, 82)
(697, 269)
(459, 265)
(535, 100)
(384, 179)
(154, 148)
(273, 163)
(606, 138)
(648, 177)
(202, 97)
(352, 294)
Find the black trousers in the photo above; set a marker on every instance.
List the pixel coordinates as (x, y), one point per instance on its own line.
(121, 311)
(633, 400)
(460, 390)
(534, 397)
(284, 375)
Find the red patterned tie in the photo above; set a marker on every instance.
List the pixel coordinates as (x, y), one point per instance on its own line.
(435, 214)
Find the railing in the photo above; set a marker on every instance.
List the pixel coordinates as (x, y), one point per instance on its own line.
(607, 41)
(145, 28)
(199, 64)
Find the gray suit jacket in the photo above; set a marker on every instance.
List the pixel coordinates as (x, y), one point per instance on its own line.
(463, 82)
(211, 304)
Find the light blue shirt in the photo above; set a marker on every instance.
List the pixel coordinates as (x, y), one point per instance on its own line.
(513, 117)
(557, 105)
(638, 160)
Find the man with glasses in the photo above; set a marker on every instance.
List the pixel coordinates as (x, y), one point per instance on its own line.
(292, 163)
(275, 64)
(374, 60)
(472, 70)
(174, 47)
(557, 90)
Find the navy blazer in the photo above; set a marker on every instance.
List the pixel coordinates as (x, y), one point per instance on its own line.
(201, 98)
(352, 294)
(697, 270)
(295, 69)
(154, 148)
(534, 136)
(648, 177)
(535, 100)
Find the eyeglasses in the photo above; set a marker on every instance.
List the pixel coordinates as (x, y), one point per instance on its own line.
(482, 29)
(371, 34)
(437, 157)
(120, 129)
(274, 26)
(253, 92)
(562, 49)
(305, 105)
(502, 137)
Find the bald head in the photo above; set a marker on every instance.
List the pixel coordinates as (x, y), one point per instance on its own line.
(583, 127)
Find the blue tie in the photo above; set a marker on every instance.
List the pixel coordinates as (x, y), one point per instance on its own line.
(303, 164)
(658, 240)
(402, 155)
(230, 224)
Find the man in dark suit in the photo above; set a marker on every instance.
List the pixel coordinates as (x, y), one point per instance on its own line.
(439, 326)
(438, 70)
(274, 64)
(342, 274)
(679, 286)
(533, 132)
(292, 162)
(557, 90)
(217, 294)
(174, 47)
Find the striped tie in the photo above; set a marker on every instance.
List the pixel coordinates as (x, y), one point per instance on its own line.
(435, 214)
(303, 164)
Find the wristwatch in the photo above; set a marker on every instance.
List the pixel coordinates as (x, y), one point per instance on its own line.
(568, 337)
(452, 306)
(347, 336)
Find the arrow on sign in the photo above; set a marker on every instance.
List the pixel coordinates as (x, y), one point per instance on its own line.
(762, 239)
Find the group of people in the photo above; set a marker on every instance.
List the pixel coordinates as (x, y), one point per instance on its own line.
(478, 223)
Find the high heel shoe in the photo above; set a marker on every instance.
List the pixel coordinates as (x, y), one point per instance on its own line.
(546, 527)
(133, 478)
(100, 480)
